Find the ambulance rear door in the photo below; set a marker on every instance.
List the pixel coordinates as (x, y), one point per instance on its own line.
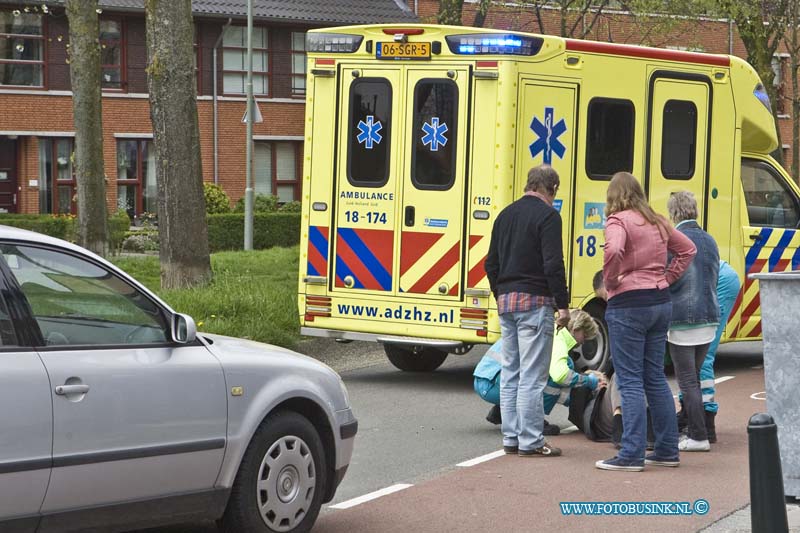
(679, 138)
(366, 170)
(433, 234)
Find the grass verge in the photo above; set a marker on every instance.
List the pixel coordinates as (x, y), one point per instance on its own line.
(253, 294)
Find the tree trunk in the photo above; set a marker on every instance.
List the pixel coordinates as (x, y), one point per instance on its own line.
(450, 12)
(182, 227)
(84, 69)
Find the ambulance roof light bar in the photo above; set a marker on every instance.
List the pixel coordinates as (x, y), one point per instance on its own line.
(333, 42)
(494, 44)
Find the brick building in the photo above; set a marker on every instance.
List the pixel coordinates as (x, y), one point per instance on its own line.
(715, 36)
(36, 123)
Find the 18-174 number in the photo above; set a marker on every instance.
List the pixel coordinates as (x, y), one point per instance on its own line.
(372, 217)
(587, 245)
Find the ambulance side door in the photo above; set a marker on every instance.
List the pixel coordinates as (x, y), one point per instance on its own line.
(679, 137)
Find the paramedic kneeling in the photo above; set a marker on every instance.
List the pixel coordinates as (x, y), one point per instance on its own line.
(562, 375)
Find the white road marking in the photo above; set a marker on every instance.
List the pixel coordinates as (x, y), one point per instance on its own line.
(482, 458)
(371, 496)
(723, 379)
(757, 367)
(759, 396)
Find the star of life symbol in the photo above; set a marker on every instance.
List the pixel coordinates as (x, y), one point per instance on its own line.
(368, 132)
(547, 137)
(434, 134)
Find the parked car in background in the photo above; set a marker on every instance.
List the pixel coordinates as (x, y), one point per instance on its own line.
(116, 414)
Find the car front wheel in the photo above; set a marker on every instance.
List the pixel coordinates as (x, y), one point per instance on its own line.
(281, 481)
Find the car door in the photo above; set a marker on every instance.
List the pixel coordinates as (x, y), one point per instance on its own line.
(26, 419)
(135, 416)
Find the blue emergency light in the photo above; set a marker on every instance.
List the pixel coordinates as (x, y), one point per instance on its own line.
(493, 44)
(761, 93)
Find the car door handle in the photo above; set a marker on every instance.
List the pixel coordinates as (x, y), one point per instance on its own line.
(63, 390)
(755, 236)
(410, 215)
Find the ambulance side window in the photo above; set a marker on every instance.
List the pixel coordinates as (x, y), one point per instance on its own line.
(433, 161)
(370, 128)
(770, 201)
(609, 139)
(679, 140)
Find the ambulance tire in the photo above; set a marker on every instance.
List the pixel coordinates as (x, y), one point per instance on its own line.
(407, 359)
(599, 356)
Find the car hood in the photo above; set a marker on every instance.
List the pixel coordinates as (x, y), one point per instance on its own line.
(232, 349)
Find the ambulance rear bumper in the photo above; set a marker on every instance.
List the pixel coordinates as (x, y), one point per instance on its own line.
(382, 339)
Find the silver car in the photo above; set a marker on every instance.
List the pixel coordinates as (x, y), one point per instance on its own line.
(115, 414)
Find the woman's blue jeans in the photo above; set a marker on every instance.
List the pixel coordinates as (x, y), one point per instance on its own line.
(638, 341)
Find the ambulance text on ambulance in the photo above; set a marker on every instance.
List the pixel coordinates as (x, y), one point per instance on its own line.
(401, 312)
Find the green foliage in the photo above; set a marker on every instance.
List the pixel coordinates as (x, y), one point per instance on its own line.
(262, 203)
(140, 241)
(253, 294)
(60, 227)
(216, 199)
(118, 225)
(291, 207)
(226, 232)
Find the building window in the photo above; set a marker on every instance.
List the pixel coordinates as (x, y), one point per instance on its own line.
(276, 169)
(56, 177)
(679, 140)
(298, 63)
(111, 53)
(21, 49)
(609, 142)
(234, 61)
(137, 192)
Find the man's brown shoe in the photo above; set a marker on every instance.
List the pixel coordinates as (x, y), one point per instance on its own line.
(545, 450)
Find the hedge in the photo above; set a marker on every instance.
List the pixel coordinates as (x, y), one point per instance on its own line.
(64, 227)
(226, 231)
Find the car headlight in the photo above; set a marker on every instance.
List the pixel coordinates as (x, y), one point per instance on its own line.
(344, 393)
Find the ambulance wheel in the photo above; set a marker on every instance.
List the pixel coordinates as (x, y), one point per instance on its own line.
(595, 354)
(414, 359)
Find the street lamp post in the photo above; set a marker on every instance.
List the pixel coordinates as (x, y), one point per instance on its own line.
(248, 191)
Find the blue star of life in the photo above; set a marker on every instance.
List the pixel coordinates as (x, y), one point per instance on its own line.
(547, 136)
(434, 134)
(368, 132)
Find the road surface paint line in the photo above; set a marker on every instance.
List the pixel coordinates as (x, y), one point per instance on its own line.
(723, 379)
(757, 367)
(371, 496)
(482, 458)
(759, 396)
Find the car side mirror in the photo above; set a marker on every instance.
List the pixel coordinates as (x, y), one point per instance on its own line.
(184, 330)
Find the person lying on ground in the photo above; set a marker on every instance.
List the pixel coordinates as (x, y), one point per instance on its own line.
(562, 375)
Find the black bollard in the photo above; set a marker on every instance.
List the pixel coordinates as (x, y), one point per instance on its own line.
(767, 503)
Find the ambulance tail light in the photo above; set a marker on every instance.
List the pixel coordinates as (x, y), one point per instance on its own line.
(494, 44)
(340, 43)
(477, 319)
(317, 306)
(761, 93)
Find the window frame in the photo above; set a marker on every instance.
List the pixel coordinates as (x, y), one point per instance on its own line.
(42, 62)
(387, 137)
(693, 168)
(123, 46)
(30, 327)
(605, 99)
(454, 157)
(56, 183)
(298, 157)
(267, 74)
(778, 177)
(139, 182)
(293, 52)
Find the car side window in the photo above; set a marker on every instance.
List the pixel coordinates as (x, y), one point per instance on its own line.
(78, 303)
(769, 200)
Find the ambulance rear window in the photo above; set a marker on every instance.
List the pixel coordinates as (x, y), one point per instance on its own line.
(679, 139)
(609, 142)
(433, 161)
(370, 126)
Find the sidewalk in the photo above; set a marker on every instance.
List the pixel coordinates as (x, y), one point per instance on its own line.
(515, 494)
(739, 522)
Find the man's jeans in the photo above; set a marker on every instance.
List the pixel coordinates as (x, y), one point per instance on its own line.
(638, 341)
(527, 347)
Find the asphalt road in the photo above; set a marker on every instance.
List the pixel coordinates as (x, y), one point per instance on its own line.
(418, 426)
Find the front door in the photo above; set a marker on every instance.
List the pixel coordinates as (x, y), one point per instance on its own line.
(8, 176)
(135, 417)
(432, 241)
(679, 131)
(770, 238)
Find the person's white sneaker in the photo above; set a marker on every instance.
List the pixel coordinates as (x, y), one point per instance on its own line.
(691, 445)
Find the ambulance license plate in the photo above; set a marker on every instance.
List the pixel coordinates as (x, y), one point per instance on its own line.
(403, 51)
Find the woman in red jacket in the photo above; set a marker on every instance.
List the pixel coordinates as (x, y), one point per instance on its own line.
(638, 316)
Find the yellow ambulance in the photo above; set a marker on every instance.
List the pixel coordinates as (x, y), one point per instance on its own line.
(417, 136)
